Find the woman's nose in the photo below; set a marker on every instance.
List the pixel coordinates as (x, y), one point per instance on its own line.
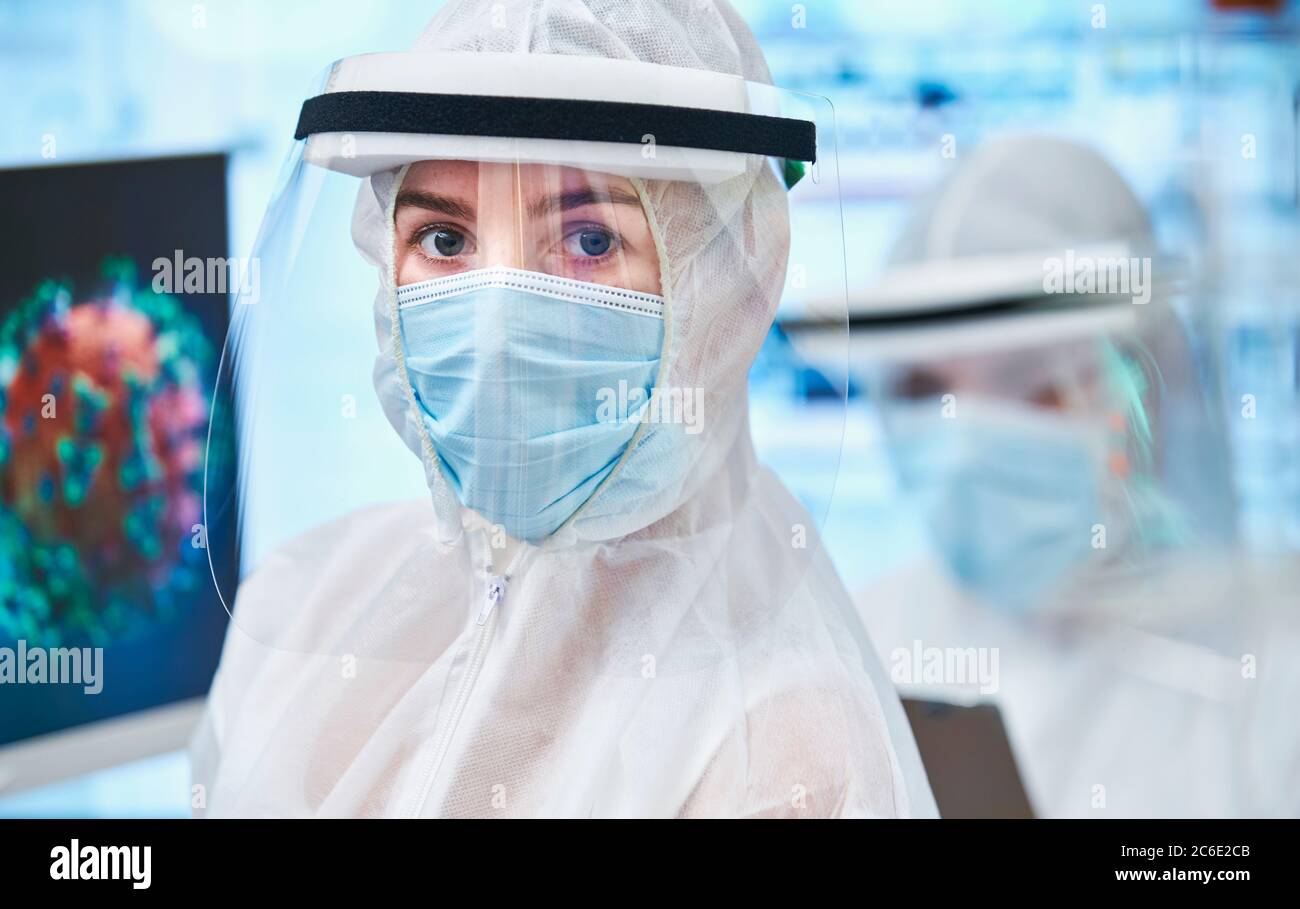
(501, 248)
(499, 228)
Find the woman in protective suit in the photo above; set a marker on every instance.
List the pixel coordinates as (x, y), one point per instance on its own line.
(1057, 430)
(602, 605)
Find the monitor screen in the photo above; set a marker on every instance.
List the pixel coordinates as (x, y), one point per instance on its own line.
(113, 312)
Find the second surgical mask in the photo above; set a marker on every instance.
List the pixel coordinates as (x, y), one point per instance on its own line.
(1010, 497)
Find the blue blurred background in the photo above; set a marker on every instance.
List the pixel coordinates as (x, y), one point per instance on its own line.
(1166, 88)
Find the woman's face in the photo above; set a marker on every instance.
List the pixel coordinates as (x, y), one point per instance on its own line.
(453, 216)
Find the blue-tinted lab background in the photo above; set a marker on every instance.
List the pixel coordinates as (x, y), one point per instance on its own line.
(1159, 85)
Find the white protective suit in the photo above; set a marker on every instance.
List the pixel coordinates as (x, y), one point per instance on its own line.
(1134, 710)
(680, 653)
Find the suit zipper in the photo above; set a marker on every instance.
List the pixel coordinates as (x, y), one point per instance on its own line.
(494, 593)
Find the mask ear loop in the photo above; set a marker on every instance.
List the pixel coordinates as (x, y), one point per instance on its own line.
(434, 477)
(665, 291)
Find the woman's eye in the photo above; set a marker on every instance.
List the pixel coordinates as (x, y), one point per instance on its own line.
(589, 241)
(442, 242)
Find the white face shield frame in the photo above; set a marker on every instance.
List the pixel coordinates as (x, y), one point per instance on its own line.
(615, 116)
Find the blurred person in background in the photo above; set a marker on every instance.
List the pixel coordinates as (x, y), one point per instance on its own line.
(1046, 414)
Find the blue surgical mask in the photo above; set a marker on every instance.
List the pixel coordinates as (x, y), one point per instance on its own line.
(513, 372)
(1010, 498)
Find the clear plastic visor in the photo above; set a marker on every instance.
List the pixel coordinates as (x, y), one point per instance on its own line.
(551, 338)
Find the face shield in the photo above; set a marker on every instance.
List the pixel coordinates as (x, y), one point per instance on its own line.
(567, 264)
(1044, 407)
(1070, 473)
(1047, 445)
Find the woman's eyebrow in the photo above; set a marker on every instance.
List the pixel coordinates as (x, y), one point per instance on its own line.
(576, 198)
(447, 205)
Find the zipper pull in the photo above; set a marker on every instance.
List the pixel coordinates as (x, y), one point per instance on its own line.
(495, 593)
